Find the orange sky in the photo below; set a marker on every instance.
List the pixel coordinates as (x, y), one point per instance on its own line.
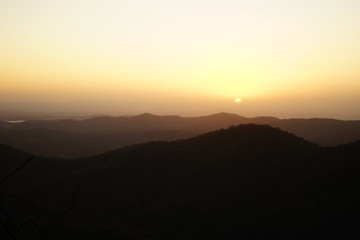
(283, 58)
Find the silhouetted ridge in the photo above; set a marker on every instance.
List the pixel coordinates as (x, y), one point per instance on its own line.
(229, 182)
(232, 146)
(9, 152)
(349, 149)
(146, 115)
(243, 182)
(99, 119)
(79, 138)
(253, 135)
(225, 115)
(10, 159)
(251, 131)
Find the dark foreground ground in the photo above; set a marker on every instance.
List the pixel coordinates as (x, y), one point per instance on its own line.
(244, 182)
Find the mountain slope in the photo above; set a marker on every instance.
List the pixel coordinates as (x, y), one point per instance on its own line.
(75, 138)
(248, 181)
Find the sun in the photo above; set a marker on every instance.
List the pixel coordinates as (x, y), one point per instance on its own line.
(237, 100)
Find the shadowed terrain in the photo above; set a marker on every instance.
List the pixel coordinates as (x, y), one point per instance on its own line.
(79, 138)
(249, 181)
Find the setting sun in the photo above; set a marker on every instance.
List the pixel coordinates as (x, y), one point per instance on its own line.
(179, 119)
(238, 100)
(292, 58)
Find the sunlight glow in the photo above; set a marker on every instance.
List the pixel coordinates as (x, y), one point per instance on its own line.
(119, 50)
(238, 100)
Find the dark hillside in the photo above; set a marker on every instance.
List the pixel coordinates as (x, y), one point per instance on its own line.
(249, 181)
(84, 138)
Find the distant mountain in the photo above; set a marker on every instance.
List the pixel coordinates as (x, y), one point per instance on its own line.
(78, 138)
(244, 182)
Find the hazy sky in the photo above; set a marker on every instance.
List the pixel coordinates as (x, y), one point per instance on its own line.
(286, 58)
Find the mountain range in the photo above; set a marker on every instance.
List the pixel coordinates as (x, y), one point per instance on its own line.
(82, 138)
(243, 182)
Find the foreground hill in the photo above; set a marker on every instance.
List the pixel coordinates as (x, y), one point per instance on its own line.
(249, 181)
(79, 138)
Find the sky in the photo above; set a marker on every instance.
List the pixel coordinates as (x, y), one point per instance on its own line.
(285, 58)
